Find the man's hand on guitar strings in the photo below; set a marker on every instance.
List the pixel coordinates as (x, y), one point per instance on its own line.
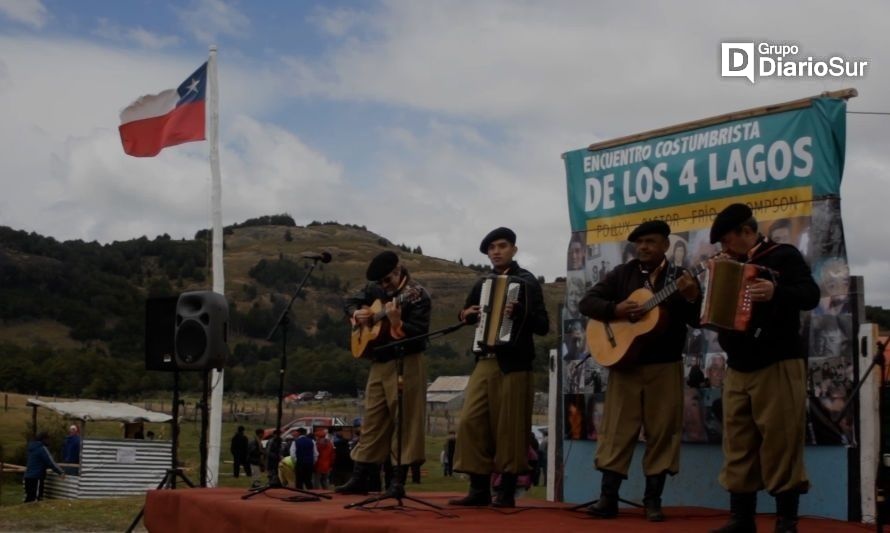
(628, 310)
(394, 314)
(362, 316)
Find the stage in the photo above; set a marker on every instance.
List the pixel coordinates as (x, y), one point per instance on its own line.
(222, 510)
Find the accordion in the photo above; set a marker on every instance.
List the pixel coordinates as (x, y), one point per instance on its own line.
(727, 295)
(495, 329)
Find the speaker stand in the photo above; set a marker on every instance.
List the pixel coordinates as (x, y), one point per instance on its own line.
(169, 480)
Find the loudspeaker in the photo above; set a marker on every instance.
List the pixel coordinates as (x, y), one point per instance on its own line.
(160, 328)
(202, 320)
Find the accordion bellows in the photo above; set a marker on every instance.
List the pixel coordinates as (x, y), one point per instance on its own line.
(495, 328)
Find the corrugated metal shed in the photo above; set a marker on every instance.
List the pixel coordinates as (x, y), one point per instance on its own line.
(114, 467)
(98, 410)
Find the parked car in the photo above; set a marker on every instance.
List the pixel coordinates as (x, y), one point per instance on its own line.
(323, 395)
(305, 396)
(309, 423)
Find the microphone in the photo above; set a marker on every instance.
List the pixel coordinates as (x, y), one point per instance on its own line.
(324, 257)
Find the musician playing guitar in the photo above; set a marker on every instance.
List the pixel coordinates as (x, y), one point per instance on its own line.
(647, 390)
(495, 422)
(388, 280)
(764, 391)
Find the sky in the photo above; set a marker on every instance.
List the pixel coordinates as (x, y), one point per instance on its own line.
(429, 122)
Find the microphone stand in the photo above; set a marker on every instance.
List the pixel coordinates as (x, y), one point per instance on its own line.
(282, 323)
(396, 491)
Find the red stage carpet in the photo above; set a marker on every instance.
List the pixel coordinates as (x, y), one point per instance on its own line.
(223, 510)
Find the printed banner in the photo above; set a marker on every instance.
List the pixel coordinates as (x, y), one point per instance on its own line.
(787, 167)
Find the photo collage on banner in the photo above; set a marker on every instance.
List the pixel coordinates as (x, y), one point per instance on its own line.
(787, 167)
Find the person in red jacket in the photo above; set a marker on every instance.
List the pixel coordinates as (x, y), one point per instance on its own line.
(325, 461)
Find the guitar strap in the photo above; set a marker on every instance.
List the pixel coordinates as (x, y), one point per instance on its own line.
(649, 277)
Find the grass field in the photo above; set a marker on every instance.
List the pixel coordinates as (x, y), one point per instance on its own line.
(115, 514)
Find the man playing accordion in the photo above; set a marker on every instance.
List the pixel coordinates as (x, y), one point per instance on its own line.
(495, 423)
(764, 392)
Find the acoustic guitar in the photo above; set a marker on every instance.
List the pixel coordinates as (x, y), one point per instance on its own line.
(618, 342)
(362, 337)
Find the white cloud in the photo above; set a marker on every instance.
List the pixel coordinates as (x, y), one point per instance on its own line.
(337, 22)
(592, 71)
(209, 20)
(65, 174)
(30, 12)
(479, 100)
(138, 35)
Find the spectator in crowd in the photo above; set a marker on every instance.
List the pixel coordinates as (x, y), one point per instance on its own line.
(342, 461)
(304, 454)
(256, 457)
(286, 472)
(71, 446)
(533, 463)
(450, 444)
(444, 460)
(325, 462)
(273, 457)
(239, 452)
(39, 459)
(542, 458)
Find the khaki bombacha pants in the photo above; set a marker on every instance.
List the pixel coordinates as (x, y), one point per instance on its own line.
(764, 424)
(648, 397)
(378, 441)
(495, 422)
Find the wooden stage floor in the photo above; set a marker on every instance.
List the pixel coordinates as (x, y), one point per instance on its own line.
(223, 510)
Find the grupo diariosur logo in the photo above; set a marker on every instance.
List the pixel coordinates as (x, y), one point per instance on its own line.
(786, 60)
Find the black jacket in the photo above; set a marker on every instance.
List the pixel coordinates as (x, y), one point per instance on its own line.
(659, 346)
(774, 331)
(415, 317)
(520, 355)
(239, 447)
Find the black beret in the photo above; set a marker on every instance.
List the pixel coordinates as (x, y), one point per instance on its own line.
(729, 219)
(382, 264)
(497, 234)
(648, 228)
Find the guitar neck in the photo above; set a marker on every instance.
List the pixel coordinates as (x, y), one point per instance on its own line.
(670, 288)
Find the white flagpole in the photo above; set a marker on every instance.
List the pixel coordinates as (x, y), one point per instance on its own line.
(219, 280)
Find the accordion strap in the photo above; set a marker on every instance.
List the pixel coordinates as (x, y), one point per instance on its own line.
(767, 249)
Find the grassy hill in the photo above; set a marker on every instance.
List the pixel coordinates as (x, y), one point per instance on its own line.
(84, 302)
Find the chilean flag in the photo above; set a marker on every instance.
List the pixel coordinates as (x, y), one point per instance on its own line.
(169, 118)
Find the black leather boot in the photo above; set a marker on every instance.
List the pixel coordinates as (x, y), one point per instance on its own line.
(374, 484)
(358, 482)
(506, 492)
(652, 497)
(397, 484)
(742, 507)
(480, 492)
(607, 505)
(786, 511)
